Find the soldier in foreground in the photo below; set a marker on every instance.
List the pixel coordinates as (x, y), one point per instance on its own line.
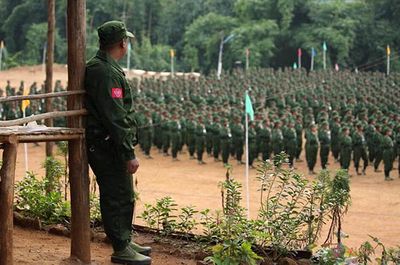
(111, 133)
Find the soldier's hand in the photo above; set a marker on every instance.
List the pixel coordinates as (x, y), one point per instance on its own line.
(132, 166)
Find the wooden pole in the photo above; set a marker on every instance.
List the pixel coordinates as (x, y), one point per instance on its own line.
(43, 116)
(78, 165)
(7, 175)
(42, 96)
(49, 66)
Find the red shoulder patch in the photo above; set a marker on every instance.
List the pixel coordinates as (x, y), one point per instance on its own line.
(116, 92)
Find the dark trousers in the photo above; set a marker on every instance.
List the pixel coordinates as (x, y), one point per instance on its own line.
(116, 191)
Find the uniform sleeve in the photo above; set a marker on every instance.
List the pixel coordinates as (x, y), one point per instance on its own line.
(109, 99)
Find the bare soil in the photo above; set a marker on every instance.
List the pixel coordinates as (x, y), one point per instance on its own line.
(374, 211)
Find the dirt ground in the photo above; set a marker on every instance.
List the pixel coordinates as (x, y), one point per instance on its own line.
(30, 74)
(33, 248)
(375, 208)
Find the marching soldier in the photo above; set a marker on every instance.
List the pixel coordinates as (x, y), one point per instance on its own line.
(312, 144)
(360, 149)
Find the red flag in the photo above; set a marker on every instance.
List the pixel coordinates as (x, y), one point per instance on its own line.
(299, 52)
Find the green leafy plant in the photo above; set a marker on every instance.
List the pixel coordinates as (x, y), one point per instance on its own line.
(95, 213)
(63, 151)
(186, 222)
(54, 172)
(161, 216)
(232, 232)
(33, 198)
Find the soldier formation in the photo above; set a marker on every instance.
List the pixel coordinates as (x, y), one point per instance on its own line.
(13, 110)
(354, 116)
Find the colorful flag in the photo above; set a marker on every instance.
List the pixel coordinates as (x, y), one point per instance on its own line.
(313, 52)
(249, 107)
(336, 67)
(27, 102)
(299, 52)
(172, 53)
(295, 66)
(2, 45)
(324, 47)
(388, 50)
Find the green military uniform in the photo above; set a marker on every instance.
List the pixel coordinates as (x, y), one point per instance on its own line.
(166, 136)
(378, 139)
(200, 139)
(209, 136)
(335, 138)
(111, 133)
(237, 139)
(216, 141)
(191, 138)
(252, 136)
(312, 144)
(277, 139)
(346, 147)
(291, 143)
(226, 138)
(324, 136)
(360, 149)
(146, 133)
(264, 138)
(176, 136)
(387, 153)
(299, 132)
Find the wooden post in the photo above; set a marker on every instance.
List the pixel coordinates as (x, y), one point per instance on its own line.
(78, 166)
(7, 175)
(49, 66)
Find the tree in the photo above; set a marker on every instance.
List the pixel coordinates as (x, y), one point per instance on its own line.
(204, 35)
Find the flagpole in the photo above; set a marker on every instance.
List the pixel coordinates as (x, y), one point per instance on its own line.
(25, 149)
(299, 57)
(388, 60)
(172, 55)
(247, 59)
(221, 47)
(324, 48)
(44, 56)
(312, 63)
(247, 167)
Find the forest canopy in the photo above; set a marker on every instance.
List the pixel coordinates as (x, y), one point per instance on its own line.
(356, 32)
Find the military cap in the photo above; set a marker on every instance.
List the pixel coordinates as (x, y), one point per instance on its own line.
(112, 32)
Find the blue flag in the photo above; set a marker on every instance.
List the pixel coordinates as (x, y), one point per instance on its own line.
(249, 107)
(313, 52)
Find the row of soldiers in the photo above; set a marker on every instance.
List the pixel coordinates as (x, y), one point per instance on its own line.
(351, 116)
(13, 110)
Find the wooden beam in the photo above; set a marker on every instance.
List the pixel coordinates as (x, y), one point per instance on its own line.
(7, 176)
(43, 116)
(78, 165)
(51, 21)
(42, 96)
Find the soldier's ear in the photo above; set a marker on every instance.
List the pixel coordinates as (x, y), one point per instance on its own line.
(124, 43)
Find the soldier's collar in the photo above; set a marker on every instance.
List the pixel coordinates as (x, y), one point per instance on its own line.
(104, 56)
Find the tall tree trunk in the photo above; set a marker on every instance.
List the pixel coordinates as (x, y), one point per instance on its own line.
(49, 66)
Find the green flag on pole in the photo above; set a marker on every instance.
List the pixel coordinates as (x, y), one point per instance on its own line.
(324, 47)
(249, 107)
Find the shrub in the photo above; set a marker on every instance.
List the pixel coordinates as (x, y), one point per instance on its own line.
(34, 200)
